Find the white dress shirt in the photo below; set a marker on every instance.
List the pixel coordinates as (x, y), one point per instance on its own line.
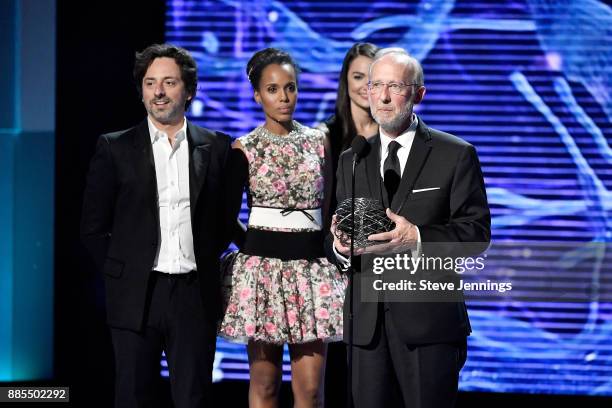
(175, 252)
(405, 140)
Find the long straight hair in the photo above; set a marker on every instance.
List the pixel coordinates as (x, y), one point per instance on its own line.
(344, 118)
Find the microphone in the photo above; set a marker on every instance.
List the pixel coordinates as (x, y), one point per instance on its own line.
(360, 147)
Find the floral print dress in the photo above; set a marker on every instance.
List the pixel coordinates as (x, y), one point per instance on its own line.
(283, 301)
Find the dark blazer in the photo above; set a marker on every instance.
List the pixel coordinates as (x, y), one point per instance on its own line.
(457, 212)
(120, 218)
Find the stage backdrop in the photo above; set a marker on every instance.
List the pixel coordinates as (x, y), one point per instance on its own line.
(528, 83)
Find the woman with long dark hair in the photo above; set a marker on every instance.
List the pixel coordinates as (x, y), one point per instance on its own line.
(352, 113)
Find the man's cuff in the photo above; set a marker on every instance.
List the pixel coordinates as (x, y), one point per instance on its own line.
(343, 262)
(416, 253)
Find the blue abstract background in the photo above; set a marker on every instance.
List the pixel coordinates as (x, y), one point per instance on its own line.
(528, 83)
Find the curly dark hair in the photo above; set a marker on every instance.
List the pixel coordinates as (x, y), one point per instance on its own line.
(262, 58)
(189, 70)
(344, 118)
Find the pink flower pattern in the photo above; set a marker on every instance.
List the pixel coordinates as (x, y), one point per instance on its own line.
(286, 171)
(279, 307)
(272, 300)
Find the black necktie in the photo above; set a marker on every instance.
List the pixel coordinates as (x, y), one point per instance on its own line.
(391, 170)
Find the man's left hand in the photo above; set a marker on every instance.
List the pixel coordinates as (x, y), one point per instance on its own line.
(401, 238)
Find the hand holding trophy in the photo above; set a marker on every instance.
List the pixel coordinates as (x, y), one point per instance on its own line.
(370, 218)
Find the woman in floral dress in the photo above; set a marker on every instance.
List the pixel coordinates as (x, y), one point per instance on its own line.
(280, 288)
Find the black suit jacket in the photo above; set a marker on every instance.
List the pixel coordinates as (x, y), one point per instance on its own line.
(120, 218)
(456, 213)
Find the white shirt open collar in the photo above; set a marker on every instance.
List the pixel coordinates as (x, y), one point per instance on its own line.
(156, 134)
(175, 248)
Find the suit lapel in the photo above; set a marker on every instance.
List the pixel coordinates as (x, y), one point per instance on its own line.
(421, 147)
(199, 158)
(146, 164)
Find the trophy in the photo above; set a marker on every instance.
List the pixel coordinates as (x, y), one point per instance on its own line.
(370, 218)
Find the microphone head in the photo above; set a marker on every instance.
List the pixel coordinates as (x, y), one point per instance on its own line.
(360, 146)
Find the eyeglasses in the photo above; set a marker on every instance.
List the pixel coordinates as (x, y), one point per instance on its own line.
(396, 88)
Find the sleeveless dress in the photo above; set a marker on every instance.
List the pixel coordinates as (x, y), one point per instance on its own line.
(269, 298)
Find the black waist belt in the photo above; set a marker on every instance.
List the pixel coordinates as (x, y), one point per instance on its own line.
(188, 276)
(182, 275)
(284, 245)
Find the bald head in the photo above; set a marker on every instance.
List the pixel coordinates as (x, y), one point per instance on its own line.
(400, 56)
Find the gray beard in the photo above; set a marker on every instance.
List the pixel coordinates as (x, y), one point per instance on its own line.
(398, 124)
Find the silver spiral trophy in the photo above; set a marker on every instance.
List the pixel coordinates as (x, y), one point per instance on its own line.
(370, 218)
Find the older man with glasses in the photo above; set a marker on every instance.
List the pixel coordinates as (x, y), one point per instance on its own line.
(408, 350)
